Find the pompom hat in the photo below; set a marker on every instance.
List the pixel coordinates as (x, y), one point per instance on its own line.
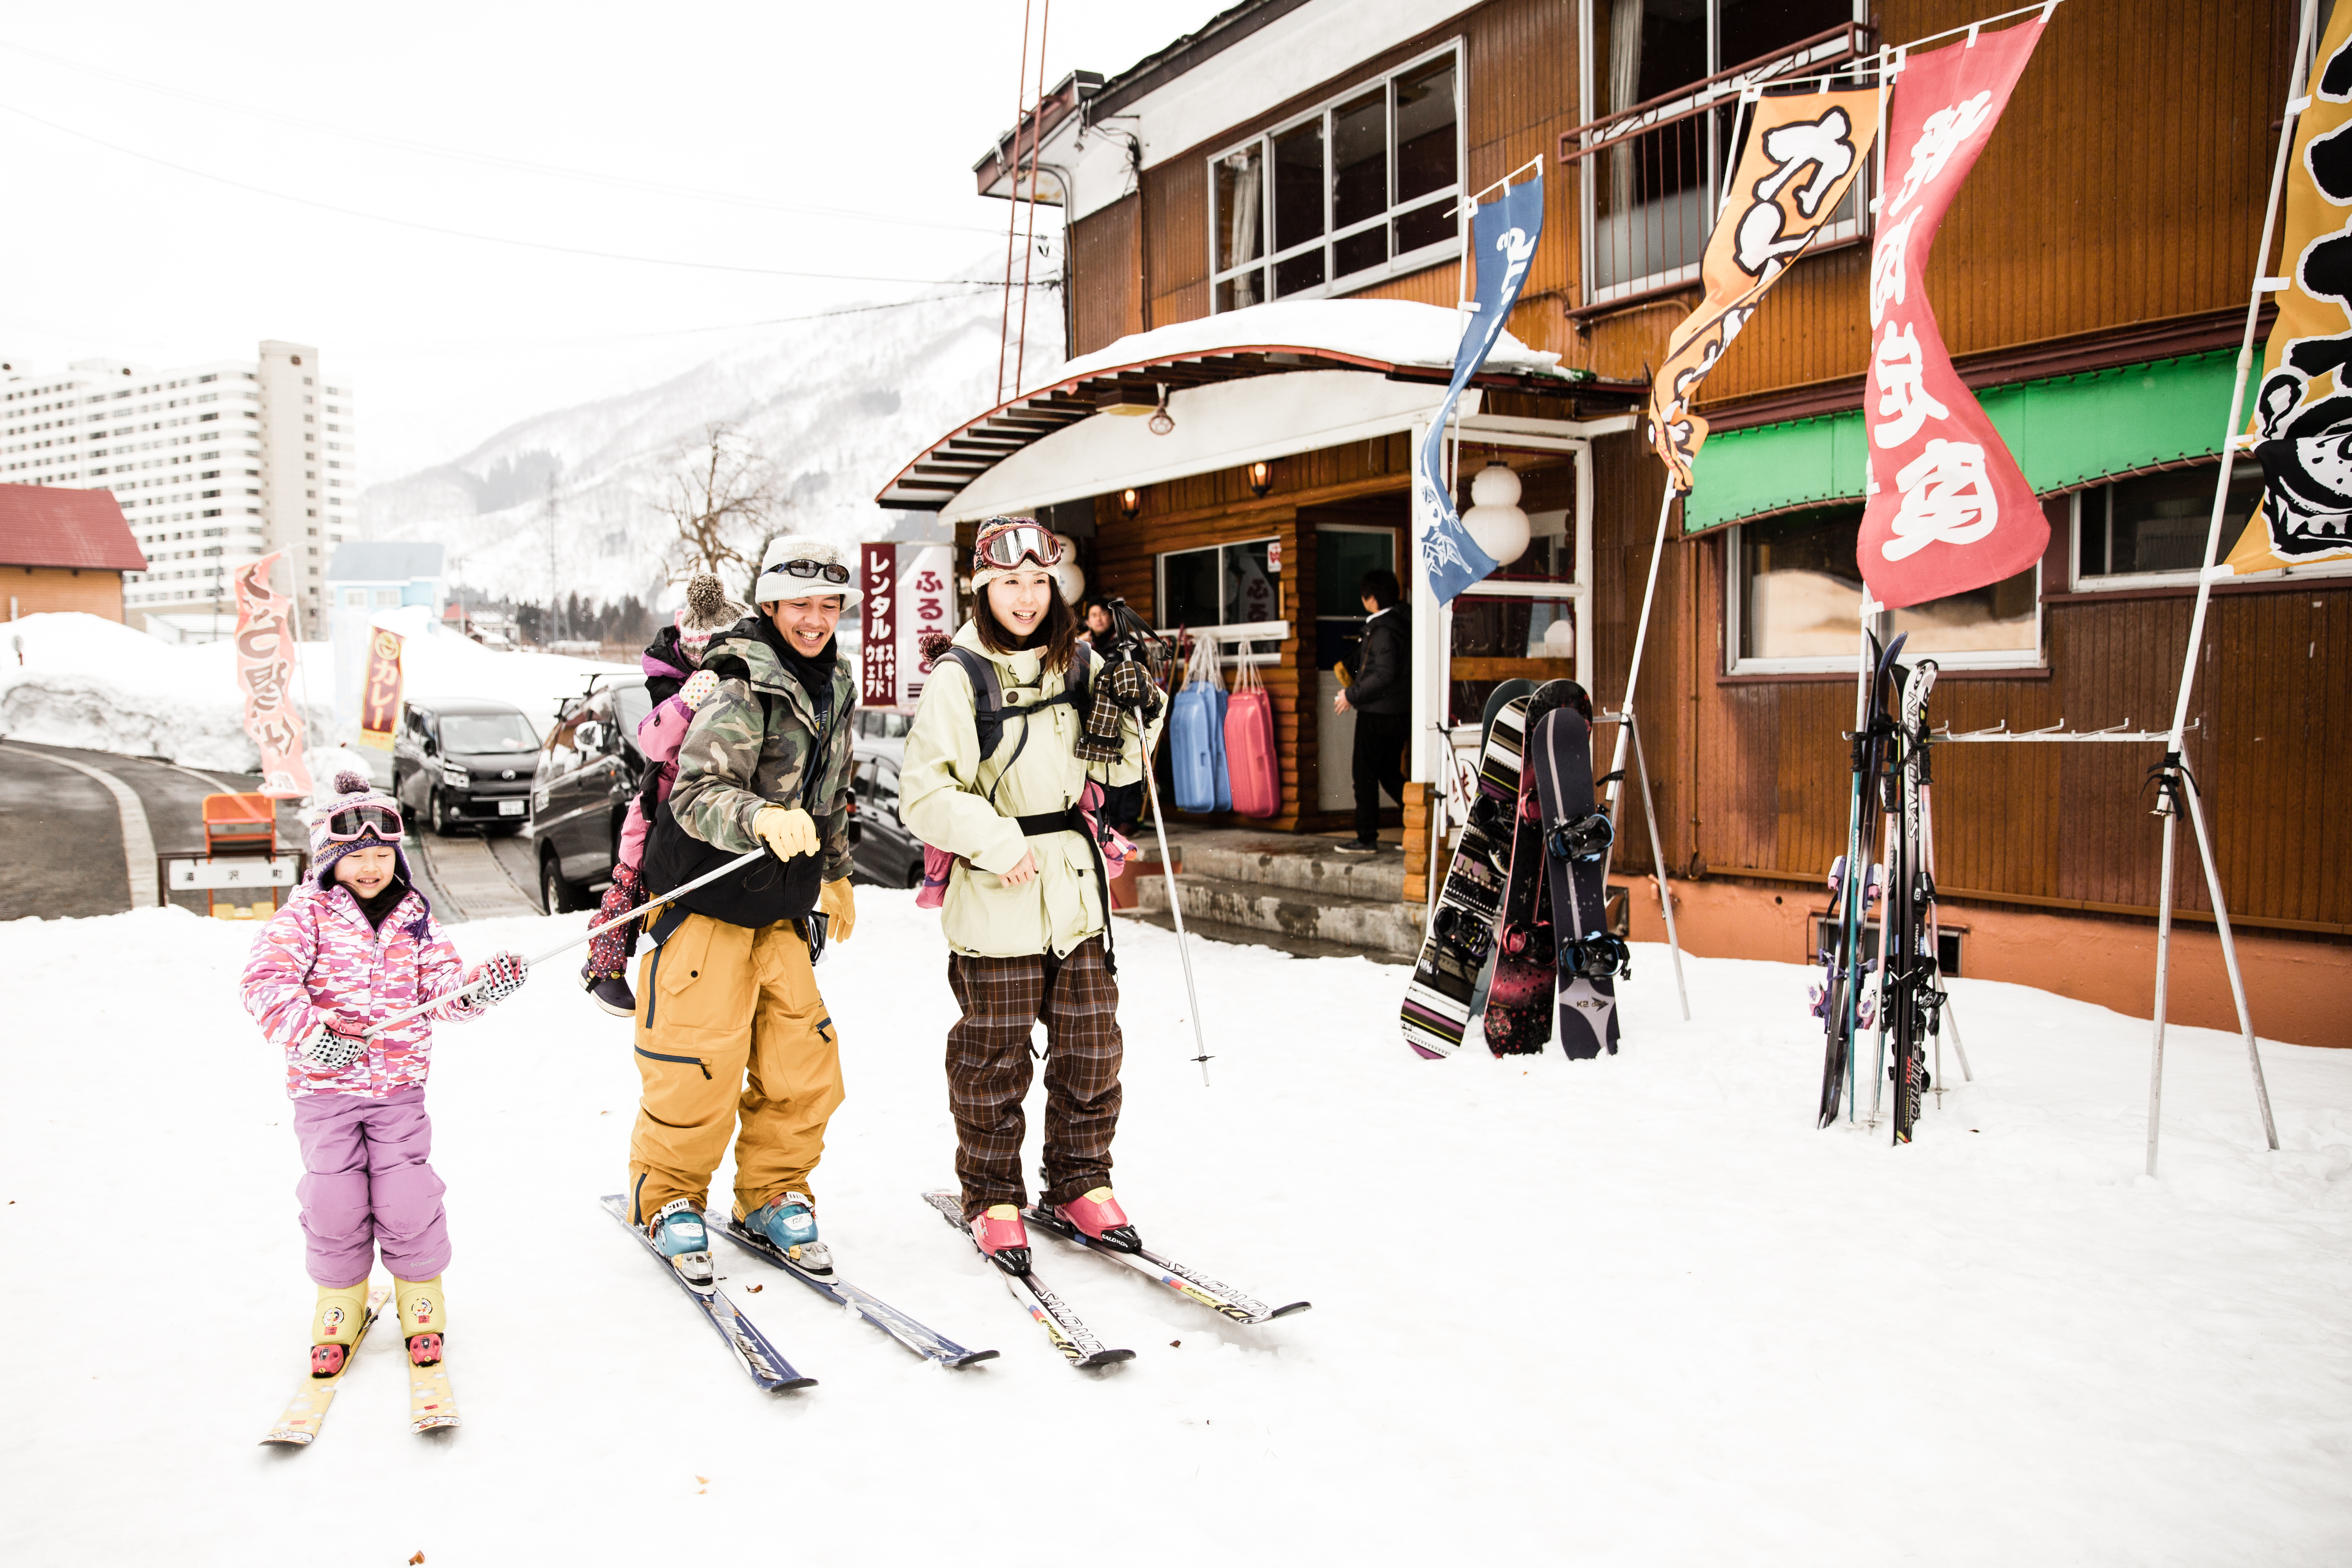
(707, 611)
(351, 789)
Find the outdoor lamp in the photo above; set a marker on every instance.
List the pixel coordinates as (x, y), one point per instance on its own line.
(1261, 478)
(1130, 503)
(1495, 520)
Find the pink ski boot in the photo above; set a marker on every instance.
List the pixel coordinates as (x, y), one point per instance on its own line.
(1003, 1240)
(1098, 1216)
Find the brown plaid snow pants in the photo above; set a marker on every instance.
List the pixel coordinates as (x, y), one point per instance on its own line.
(989, 1067)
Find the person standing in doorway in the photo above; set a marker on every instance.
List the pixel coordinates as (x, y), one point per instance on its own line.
(1382, 704)
(730, 1025)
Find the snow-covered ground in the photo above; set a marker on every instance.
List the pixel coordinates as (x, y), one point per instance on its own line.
(1636, 1311)
(91, 682)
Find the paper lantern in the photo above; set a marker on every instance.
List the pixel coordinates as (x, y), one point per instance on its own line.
(1495, 520)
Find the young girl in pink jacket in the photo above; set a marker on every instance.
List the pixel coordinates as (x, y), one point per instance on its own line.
(678, 686)
(356, 945)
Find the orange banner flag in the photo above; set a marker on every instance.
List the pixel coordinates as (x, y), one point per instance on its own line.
(1803, 152)
(380, 690)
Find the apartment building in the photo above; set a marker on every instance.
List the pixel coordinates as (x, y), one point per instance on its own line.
(214, 465)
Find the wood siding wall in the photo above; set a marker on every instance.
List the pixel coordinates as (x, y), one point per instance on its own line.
(2124, 186)
(1106, 273)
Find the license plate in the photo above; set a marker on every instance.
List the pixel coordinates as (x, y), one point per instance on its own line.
(510, 808)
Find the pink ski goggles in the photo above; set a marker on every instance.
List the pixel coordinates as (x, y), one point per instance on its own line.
(355, 822)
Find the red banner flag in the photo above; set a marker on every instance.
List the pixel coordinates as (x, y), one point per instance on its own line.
(380, 690)
(265, 651)
(877, 582)
(1948, 508)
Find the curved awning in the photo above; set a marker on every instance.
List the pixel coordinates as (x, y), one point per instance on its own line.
(1393, 339)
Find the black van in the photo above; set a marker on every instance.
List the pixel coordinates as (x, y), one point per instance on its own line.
(460, 763)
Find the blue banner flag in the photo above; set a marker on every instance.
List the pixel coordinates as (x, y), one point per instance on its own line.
(1502, 237)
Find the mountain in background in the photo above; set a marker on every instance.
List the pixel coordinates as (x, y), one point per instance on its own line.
(838, 404)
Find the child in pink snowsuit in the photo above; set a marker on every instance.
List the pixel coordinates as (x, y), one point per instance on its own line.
(355, 945)
(676, 686)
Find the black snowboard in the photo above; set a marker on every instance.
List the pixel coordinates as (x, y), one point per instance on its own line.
(1576, 847)
(1519, 1002)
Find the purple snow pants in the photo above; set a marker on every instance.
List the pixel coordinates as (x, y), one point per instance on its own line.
(365, 1183)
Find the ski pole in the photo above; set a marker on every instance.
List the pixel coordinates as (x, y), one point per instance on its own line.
(589, 935)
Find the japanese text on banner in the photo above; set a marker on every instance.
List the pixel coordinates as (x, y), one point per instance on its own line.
(380, 690)
(265, 651)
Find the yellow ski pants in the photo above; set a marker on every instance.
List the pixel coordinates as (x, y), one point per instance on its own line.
(730, 1027)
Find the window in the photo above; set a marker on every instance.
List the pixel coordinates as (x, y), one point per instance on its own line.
(2151, 530)
(1223, 586)
(1795, 595)
(1649, 192)
(1363, 188)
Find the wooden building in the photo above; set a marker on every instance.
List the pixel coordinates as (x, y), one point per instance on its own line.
(1232, 199)
(63, 549)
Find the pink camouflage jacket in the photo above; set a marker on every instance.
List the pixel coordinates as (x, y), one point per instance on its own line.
(317, 964)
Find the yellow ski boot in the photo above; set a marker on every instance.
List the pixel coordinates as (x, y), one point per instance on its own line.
(335, 1325)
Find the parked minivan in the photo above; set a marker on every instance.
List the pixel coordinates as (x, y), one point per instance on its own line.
(464, 763)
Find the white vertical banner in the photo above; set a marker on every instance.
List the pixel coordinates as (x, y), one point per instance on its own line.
(926, 603)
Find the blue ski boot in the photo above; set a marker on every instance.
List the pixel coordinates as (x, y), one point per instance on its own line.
(788, 1222)
(677, 1234)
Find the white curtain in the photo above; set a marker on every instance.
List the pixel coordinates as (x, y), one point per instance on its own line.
(1624, 85)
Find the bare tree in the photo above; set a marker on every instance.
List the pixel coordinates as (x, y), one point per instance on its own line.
(721, 496)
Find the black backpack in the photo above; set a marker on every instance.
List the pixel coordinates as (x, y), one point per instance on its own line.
(989, 709)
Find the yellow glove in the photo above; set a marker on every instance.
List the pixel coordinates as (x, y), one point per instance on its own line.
(786, 830)
(840, 909)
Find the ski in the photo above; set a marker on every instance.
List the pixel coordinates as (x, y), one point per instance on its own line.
(1189, 1283)
(1068, 1333)
(1838, 1000)
(1914, 996)
(752, 1350)
(432, 1403)
(929, 1344)
(306, 1411)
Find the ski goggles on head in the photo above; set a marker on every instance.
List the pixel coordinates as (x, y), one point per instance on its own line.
(832, 572)
(370, 820)
(1005, 542)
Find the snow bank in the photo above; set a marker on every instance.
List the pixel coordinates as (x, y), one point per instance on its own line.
(90, 682)
(1633, 1311)
(1398, 331)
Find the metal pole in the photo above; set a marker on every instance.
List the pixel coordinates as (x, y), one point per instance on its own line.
(1175, 904)
(1658, 864)
(591, 934)
(2163, 972)
(1936, 935)
(2229, 956)
(2295, 104)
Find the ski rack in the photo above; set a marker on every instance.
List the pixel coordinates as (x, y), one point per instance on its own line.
(2058, 732)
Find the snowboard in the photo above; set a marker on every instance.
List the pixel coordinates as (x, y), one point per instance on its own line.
(1461, 932)
(1519, 1002)
(1576, 839)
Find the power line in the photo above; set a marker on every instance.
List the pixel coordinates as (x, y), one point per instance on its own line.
(494, 160)
(460, 233)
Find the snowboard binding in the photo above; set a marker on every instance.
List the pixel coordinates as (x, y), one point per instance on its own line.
(1463, 935)
(1491, 816)
(1530, 945)
(1599, 956)
(1583, 838)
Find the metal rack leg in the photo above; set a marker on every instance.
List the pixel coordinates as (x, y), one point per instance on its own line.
(1658, 866)
(2229, 955)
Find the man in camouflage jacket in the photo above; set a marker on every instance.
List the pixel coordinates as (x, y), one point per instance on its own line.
(729, 1021)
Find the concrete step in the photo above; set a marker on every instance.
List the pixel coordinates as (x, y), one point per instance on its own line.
(1247, 936)
(1356, 925)
(1306, 866)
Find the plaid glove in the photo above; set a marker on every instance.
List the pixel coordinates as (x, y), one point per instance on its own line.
(1121, 688)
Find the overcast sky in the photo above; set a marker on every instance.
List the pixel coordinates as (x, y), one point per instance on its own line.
(826, 109)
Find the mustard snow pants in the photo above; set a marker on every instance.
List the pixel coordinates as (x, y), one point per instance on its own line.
(729, 1028)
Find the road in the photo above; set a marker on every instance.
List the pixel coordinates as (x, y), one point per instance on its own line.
(62, 833)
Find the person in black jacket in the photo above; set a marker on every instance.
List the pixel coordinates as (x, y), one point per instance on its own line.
(1381, 700)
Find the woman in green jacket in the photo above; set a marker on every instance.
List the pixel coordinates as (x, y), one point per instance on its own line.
(1024, 914)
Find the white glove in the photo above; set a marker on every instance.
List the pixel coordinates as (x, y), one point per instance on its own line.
(333, 1051)
(503, 971)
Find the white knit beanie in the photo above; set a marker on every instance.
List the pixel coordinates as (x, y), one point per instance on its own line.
(775, 583)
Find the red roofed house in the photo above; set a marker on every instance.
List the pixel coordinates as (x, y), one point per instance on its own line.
(64, 550)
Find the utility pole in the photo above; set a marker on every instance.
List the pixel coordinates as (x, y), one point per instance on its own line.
(554, 624)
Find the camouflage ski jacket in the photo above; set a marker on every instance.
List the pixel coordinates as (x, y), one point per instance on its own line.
(751, 745)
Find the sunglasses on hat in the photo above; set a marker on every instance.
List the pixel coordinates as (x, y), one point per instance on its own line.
(355, 822)
(813, 570)
(1005, 542)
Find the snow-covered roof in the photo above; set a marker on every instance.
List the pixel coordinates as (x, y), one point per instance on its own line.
(1396, 339)
(1378, 332)
(53, 525)
(384, 562)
